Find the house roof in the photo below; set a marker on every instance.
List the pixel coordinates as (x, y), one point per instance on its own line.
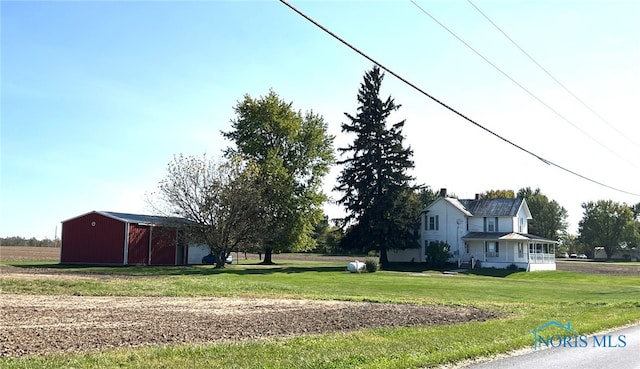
(454, 202)
(487, 207)
(493, 207)
(458, 205)
(139, 218)
(485, 236)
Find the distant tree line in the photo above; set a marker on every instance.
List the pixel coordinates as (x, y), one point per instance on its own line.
(605, 223)
(21, 241)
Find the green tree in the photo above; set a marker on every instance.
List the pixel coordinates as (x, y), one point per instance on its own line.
(427, 196)
(293, 152)
(499, 194)
(221, 199)
(568, 243)
(327, 237)
(549, 218)
(636, 211)
(608, 224)
(381, 204)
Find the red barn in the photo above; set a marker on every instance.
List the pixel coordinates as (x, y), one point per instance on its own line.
(104, 237)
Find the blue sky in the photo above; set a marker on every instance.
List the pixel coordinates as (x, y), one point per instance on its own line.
(98, 96)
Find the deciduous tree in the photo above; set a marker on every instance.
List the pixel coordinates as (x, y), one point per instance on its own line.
(549, 218)
(293, 152)
(221, 199)
(499, 194)
(608, 224)
(327, 237)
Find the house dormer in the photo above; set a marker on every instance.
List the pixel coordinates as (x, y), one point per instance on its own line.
(497, 215)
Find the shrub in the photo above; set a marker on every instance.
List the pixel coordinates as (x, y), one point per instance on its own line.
(371, 265)
(437, 253)
(512, 267)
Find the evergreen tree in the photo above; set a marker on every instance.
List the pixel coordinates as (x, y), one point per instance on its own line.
(382, 206)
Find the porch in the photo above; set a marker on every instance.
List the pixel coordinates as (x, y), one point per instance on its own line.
(504, 250)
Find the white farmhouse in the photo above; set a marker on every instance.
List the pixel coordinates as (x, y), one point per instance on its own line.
(482, 233)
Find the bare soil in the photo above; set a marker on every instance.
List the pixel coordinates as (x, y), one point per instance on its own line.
(598, 268)
(36, 325)
(29, 253)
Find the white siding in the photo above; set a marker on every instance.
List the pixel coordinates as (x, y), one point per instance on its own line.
(539, 267)
(476, 224)
(505, 224)
(521, 217)
(196, 253)
(451, 227)
(408, 255)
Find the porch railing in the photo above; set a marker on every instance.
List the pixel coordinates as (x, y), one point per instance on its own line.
(540, 258)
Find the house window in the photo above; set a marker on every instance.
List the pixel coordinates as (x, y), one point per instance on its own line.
(520, 250)
(492, 250)
(521, 225)
(491, 224)
(466, 247)
(433, 223)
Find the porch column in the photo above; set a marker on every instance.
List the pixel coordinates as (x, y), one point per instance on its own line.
(484, 251)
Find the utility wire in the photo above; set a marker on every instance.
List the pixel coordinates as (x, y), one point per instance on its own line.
(520, 85)
(552, 77)
(361, 53)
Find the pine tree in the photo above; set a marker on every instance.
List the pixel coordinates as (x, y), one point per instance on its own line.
(382, 206)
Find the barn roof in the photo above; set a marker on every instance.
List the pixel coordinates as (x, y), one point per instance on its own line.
(145, 219)
(139, 218)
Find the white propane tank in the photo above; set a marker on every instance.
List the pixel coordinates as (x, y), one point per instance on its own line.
(356, 266)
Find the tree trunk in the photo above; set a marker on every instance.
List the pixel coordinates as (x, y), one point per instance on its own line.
(267, 256)
(384, 260)
(220, 259)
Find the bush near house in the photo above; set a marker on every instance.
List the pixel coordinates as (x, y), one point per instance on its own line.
(437, 253)
(371, 265)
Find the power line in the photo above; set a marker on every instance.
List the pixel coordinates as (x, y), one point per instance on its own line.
(361, 53)
(552, 77)
(520, 85)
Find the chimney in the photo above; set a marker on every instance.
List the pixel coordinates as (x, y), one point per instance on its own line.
(478, 196)
(443, 192)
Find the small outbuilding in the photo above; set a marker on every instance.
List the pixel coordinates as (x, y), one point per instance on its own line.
(104, 237)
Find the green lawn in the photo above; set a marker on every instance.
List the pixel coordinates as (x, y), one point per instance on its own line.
(524, 300)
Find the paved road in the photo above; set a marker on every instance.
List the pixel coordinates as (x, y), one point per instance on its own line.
(627, 357)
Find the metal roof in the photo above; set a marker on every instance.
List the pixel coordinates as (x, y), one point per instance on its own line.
(458, 205)
(144, 219)
(493, 207)
(139, 218)
(485, 236)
